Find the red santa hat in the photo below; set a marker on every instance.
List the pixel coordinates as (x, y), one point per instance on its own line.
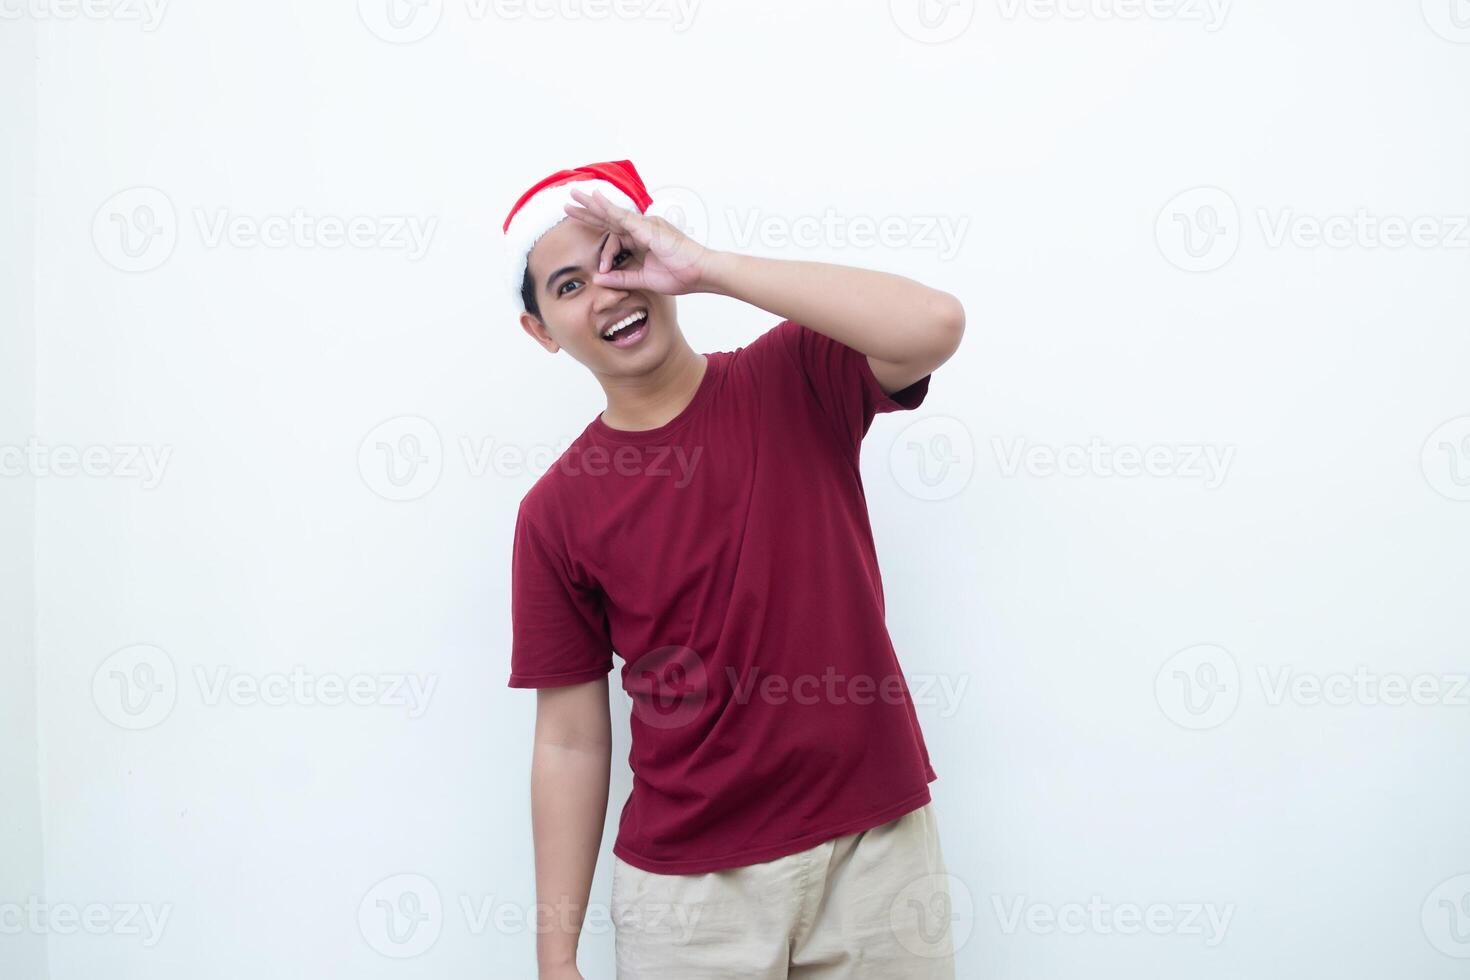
(543, 206)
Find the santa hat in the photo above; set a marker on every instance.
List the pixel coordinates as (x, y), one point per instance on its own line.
(543, 206)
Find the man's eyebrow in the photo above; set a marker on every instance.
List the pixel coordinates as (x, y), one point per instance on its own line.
(573, 268)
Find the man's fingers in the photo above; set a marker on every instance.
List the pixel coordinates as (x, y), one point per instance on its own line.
(617, 217)
(607, 205)
(599, 212)
(584, 216)
(610, 250)
(640, 232)
(616, 280)
(595, 202)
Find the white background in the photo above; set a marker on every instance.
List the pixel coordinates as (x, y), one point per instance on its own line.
(1110, 305)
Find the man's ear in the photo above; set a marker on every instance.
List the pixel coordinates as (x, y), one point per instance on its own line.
(538, 332)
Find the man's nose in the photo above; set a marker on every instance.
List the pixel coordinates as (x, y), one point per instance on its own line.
(607, 297)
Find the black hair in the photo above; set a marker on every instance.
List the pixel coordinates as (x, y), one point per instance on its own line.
(528, 294)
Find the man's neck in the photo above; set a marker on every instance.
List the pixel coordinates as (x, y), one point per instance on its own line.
(655, 399)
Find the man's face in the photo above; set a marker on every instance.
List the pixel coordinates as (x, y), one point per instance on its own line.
(575, 313)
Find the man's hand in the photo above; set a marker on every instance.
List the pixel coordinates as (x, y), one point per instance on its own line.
(560, 973)
(669, 261)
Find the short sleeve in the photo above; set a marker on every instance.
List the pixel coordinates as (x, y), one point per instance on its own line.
(843, 381)
(559, 627)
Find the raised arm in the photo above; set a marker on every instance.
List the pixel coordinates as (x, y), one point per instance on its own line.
(905, 328)
(571, 758)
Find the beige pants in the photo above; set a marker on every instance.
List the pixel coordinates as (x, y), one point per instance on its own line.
(872, 905)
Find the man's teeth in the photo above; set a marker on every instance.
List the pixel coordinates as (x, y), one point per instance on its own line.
(631, 318)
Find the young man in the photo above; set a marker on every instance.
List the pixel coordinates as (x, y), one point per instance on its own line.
(710, 528)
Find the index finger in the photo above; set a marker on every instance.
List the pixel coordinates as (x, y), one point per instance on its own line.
(610, 250)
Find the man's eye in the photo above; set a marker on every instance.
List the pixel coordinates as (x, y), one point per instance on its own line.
(562, 289)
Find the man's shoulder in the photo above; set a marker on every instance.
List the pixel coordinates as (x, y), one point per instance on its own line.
(767, 351)
(771, 337)
(548, 494)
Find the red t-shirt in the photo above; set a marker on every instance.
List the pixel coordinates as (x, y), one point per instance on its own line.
(727, 558)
